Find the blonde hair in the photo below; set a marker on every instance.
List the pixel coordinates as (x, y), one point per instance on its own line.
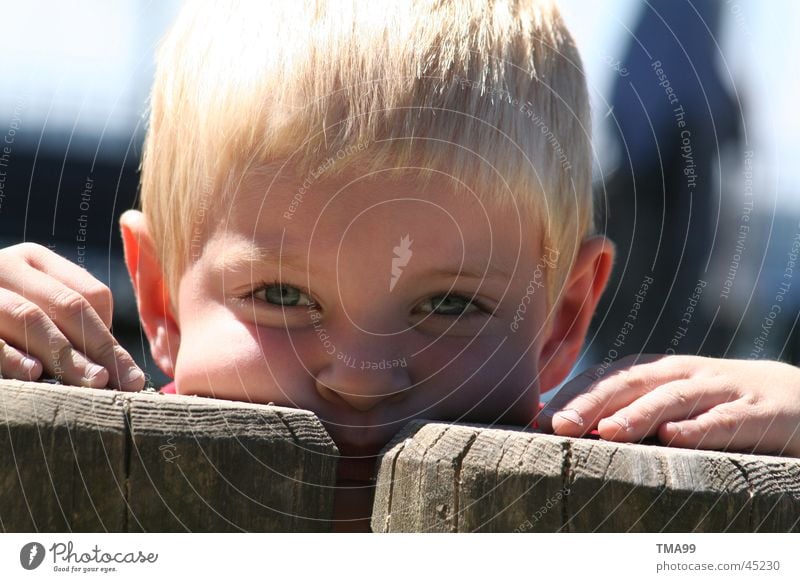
(491, 92)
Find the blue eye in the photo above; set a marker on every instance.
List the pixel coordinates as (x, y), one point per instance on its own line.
(449, 304)
(282, 295)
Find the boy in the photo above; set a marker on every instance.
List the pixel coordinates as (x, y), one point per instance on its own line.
(377, 212)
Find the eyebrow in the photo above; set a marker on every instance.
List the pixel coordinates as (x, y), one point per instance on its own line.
(243, 257)
(491, 272)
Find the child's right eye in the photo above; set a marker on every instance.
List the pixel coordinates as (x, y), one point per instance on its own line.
(452, 304)
(282, 295)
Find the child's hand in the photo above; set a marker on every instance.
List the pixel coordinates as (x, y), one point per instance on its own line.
(687, 401)
(52, 312)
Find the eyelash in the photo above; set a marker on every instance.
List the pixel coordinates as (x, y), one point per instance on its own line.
(262, 285)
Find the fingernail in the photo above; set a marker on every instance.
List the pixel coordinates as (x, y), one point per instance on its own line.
(571, 415)
(92, 371)
(674, 426)
(134, 374)
(28, 365)
(621, 421)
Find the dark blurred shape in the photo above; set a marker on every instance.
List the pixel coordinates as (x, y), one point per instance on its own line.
(673, 117)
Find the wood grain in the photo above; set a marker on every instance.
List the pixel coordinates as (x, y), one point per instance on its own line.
(78, 459)
(440, 477)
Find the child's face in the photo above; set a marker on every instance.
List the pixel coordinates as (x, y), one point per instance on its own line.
(398, 302)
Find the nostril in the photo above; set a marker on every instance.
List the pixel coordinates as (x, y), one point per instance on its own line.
(328, 393)
(354, 387)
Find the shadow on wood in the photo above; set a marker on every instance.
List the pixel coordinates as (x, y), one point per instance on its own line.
(437, 477)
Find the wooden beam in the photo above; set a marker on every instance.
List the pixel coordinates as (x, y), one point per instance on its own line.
(436, 477)
(78, 459)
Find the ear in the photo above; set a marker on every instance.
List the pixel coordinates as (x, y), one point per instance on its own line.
(152, 297)
(571, 317)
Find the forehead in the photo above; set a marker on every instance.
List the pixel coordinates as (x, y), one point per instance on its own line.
(359, 214)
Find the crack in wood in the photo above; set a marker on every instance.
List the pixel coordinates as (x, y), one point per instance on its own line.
(126, 465)
(750, 493)
(567, 480)
(457, 477)
(393, 472)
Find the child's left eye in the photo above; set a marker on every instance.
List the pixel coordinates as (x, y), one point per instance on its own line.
(282, 295)
(449, 304)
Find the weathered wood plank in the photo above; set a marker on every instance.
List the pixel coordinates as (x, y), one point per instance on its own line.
(77, 459)
(440, 477)
(199, 464)
(62, 457)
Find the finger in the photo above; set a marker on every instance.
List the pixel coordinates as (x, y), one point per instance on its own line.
(583, 401)
(673, 401)
(27, 328)
(14, 364)
(82, 326)
(731, 426)
(69, 274)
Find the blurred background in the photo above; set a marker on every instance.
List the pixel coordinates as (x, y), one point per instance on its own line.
(697, 167)
(697, 144)
(75, 81)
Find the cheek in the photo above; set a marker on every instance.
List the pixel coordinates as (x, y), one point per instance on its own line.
(222, 357)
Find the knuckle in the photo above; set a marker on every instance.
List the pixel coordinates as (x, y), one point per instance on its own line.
(25, 314)
(679, 397)
(647, 412)
(645, 373)
(680, 365)
(751, 400)
(27, 249)
(725, 420)
(28, 252)
(105, 352)
(10, 263)
(623, 377)
(99, 293)
(70, 304)
(587, 399)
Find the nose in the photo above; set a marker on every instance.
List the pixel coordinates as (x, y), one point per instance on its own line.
(362, 384)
